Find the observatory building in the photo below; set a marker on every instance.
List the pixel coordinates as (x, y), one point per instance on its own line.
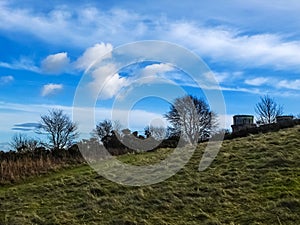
(242, 122)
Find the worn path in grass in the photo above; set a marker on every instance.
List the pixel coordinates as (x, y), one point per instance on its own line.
(253, 180)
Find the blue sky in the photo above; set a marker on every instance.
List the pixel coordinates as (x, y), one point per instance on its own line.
(252, 47)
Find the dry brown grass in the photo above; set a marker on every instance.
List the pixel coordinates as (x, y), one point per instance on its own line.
(21, 166)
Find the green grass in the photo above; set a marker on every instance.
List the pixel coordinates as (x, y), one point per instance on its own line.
(253, 180)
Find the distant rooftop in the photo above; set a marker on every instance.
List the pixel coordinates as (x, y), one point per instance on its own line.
(243, 115)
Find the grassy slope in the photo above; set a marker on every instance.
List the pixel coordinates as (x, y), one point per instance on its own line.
(253, 180)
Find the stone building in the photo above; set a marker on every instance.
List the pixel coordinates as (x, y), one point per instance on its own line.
(242, 122)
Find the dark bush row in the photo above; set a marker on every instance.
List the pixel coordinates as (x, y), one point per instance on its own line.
(117, 145)
(264, 129)
(70, 154)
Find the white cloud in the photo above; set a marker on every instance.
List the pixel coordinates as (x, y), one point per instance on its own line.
(289, 84)
(258, 81)
(157, 69)
(94, 54)
(221, 76)
(224, 77)
(6, 79)
(112, 86)
(56, 63)
(106, 82)
(227, 45)
(155, 73)
(82, 26)
(51, 89)
(77, 25)
(276, 83)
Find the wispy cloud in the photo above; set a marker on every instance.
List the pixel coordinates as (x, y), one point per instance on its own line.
(154, 73)
(51, 89)
(78, 26)
(21, 129)
(157, 69)
(275, 82)
(223, 44)
(86, 25)
(21, 64)
(258, 81)
(26, 126)
(290, 84)
(6, 79)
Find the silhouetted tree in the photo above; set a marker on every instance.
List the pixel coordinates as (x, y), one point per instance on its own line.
(59, 128)
(104, 129)
(192, 118)
(267, 110)
(22, 143)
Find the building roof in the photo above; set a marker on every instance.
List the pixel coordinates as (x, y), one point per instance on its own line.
(243, 116)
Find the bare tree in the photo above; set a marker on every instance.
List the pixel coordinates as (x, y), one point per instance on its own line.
(103, 129)
(158, 133)
(267, 110)
(192, 118)
(117, 126)
(107, 128)
(59, 128)
(22, 143)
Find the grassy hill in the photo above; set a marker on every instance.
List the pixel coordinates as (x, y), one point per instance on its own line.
(253, 180)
